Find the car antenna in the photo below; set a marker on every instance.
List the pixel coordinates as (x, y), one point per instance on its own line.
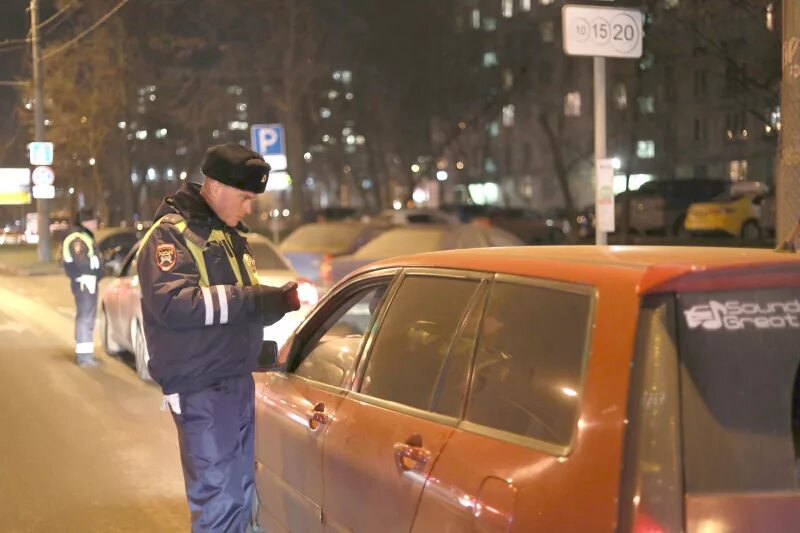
(787, 246)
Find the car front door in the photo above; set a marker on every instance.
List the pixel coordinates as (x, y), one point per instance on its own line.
(295, 408)
(389, 430)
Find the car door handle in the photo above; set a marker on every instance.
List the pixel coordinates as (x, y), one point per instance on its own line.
(410, 455)
(318, 417)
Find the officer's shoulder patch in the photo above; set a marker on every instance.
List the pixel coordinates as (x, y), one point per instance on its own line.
(250, 262)
(166, 256)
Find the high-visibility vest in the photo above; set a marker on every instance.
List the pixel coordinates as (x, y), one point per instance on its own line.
(196, 246)
(66, 253)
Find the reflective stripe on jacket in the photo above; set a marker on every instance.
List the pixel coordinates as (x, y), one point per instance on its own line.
(198, 310)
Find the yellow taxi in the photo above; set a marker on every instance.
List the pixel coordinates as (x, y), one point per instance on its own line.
(731, 213)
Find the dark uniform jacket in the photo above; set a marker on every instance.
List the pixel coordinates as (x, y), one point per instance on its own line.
(78, 249)
(197, 336)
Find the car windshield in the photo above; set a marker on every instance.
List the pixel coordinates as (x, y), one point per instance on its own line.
(265, 257)
(403, 242)
(739, 390)
(322, 238)
(727, 197)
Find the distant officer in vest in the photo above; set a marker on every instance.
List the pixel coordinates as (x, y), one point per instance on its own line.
(203, 313)
(82, 264)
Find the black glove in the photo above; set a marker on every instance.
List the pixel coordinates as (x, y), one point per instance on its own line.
(291, 295)
(274, 300)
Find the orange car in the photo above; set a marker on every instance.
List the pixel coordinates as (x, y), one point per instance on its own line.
(541, 389)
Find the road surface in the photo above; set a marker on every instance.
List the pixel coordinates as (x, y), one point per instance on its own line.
(81, 450)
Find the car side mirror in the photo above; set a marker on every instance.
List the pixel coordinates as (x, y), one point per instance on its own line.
(268, 358)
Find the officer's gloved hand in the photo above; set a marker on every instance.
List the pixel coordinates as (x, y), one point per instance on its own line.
(292, 296)
(274, 300)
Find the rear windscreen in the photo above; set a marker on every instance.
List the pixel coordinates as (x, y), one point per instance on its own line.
(739, 356)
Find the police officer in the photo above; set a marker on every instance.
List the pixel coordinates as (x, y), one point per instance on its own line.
(203, 314)
(82, 265)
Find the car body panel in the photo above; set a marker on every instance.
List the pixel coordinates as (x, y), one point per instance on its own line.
(728, 217)
(485, 481)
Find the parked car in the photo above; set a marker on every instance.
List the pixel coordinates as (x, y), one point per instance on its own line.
(12, 236)
(659, 207)
(470, 212)
(310, 248)
(737, 215)
(114, 243)
(603, 389)
(769, 214)
(417, 239)
(530, 226)
(416, 216)
(121, 313)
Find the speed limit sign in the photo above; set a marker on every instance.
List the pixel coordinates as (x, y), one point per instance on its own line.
(602, 31)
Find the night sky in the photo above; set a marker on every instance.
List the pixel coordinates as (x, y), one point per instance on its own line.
(14, 24)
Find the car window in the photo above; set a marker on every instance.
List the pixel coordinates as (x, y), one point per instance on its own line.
(329, 238)
(129, 269)
(740, 397)
(265, 256)
(501, 238)
(471, 238)
(403, 241)
(529, 362)
(408, 358)
(330, 355)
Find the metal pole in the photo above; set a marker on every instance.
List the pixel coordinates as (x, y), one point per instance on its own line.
(599, 133)
(42, 207)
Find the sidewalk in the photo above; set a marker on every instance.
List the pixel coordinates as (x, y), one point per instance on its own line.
(23, 260)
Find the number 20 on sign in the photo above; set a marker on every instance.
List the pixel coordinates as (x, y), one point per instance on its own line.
(602, 31)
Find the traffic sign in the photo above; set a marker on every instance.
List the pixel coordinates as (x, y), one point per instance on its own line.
(269, 141)
(43, 176)
(41, 153)
(604, 196)
(43, 192)
(602, 31)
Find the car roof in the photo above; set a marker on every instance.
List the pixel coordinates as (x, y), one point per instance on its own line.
(647, 268)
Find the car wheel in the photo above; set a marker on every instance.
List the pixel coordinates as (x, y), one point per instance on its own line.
(751, 231)
(109, 346)
(140, 353)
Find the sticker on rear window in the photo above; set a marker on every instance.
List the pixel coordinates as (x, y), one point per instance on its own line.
(734, 315)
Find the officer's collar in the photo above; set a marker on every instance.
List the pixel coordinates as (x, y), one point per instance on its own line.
(193, 207)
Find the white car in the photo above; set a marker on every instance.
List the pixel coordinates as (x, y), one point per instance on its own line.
(121, 311)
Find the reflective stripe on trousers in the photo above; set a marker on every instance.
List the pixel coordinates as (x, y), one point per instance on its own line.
(86, 311)
(216, 434)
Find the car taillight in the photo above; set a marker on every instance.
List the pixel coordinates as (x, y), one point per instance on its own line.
(307, 292)
(651, 488)
(642, 523)
(326, 271)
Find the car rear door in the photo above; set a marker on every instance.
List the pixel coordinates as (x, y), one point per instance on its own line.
(511, 463)
(387, 434)
(294, 409)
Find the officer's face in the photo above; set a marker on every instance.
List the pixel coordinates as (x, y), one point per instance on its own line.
(232, 204)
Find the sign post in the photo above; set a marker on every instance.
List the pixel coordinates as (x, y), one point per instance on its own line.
(602, 32)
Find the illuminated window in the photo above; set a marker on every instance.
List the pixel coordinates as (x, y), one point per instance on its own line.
(771, 16)
(572, 104)
(508, 8)
(737, 170)
(489, 24)
(476, 19)
(508, 115)
(525, 5)
(490, 59)
(547, 30)
(621, 97)
(647, 105)
(646, 149)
